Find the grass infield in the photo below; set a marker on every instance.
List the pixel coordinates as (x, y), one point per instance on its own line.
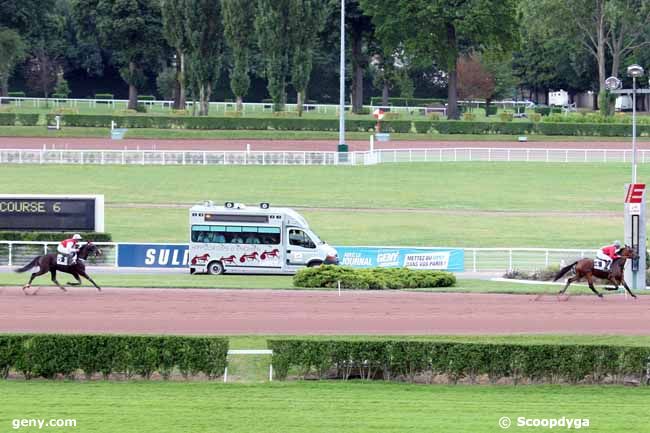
(142, 407)
(449, 204)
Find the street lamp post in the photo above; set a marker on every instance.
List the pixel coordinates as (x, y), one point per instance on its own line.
(342, 82)
(635, 205)
(634, 71)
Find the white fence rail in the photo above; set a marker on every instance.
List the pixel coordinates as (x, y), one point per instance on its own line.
(17, 254)
(248, 107)
(199, 157)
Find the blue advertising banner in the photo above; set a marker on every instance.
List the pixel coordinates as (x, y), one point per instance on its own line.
(152, 255)
(413, 258)
(177, 255)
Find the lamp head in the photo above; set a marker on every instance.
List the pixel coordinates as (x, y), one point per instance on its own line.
(613, 83)
(635, 71)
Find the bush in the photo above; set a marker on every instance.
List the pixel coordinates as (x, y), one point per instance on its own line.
(506, 116)
(390, 116)
(51, 236)
(16, 94)
(59, 95)
(146, 98)
(7, 119)
(104, 96)
(141, 108)
(371, 279)
(546, 274)
(535, 117)
(490, 110)
(407, 102)
(405, 360)
(52, 355)
(27, 119)
(542, 110)
(469, 116)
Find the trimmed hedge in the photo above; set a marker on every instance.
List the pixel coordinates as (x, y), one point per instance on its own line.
(51, 236)
(405, 360)
(16, 94)
(51, 355)
(146, 98)
(372, 278)
(104, 96)
(7, 119)
(26, 119)
(407, 102)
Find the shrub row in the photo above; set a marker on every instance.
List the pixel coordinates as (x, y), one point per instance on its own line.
(407, 102)
(372, 278)
(51, 355)
(301, 124)
(406, 360)
(51, 236)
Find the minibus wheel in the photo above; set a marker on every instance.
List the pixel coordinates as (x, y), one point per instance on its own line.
(215, 268)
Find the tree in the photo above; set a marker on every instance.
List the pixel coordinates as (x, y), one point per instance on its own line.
(130, 29)
(205, 54)
(12, 52)
(174, 26)
(361, 29)
(440, 29)
(272, 27)
(474, 80)
(627, 28)
(41, 71)
(238, 18)
(305, 18)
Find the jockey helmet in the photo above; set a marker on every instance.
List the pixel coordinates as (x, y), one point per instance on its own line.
(617, 244)
(76, 237)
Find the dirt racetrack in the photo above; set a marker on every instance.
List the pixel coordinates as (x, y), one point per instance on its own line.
(200, 311)
(295, 145)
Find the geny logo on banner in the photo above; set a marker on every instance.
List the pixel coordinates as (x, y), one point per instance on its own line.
(438, 260)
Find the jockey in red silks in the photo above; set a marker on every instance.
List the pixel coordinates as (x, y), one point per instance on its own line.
(608, 253)
(70, 247)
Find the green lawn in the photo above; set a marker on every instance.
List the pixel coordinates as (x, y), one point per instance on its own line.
(184, 280)
(316, 407)
(451, 186)
(448, 196)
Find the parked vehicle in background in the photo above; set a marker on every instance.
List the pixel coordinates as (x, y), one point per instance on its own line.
(240, 239)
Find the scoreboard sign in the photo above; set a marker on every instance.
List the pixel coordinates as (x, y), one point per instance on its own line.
(52, 212)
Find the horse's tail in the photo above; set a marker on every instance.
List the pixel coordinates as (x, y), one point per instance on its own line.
(29, 265)
(564, 270)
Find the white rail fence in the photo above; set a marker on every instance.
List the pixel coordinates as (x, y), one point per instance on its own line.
(248, 107)
(200, 157)
(17, 254)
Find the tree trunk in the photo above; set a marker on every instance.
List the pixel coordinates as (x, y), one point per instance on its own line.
(4, 87)
(181, 81)
(384, 94)
(357, 73)
(177, 85)
(240, 104)
(299, 101)
(600, 46)
(452, 60)
(205, 92)
(133, 91)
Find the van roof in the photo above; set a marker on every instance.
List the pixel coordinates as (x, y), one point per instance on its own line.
(293, 217)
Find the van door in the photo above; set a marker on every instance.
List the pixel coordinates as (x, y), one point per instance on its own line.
(301, 249)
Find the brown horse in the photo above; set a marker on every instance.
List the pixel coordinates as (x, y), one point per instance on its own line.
(585, 269)
(47, 263)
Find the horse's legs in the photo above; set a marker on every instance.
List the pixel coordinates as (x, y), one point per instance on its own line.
(590, 279)
(31, 278)
(85, 275)
(627, 288)
(568, 282)
(76, 277)
(53, 273)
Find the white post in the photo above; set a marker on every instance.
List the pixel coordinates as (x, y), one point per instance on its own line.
(338, 283)
(225, 375)
(372, 143)
(270, 372)
(509, 260)
(474, 260)
(10, 254)
(342, 78)
(633, 129)
(58, 122)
